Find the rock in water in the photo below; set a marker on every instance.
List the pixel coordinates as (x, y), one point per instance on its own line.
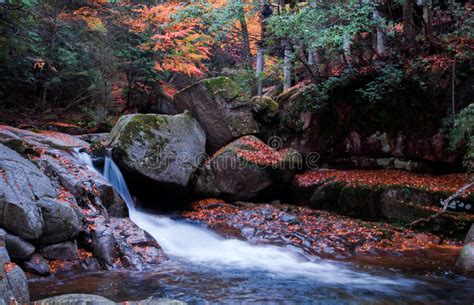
(76, 299)
(164, 149)
(220, 108)
(245, 169)
(465, 263)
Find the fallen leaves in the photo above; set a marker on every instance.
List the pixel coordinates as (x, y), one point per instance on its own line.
(443, 183)
(317, 232)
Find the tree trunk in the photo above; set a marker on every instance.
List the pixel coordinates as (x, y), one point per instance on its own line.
(244, 33)
(260, 66)
(380, 35)
(287, 66)
(408, 25)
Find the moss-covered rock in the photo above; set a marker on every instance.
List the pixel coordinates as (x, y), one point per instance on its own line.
(264, 108)
(221, 109)
(163, 149)
(245, 169)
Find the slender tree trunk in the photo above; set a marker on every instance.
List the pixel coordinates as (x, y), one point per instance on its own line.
(380, 35)
(408, 25)
(426, 7)
(346, 48)
(244, 33)
(287, 65)
(259, 70)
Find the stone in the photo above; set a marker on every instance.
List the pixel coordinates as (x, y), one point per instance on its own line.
(76, 299)
(245, 169)
(326, 196)
(63, 251)
(104, 245)
(36, 265)
(465, 263)
(231, 116)
(18, 285)
(60, 221)
(162, 149)
(18, 248)
(21, 184)
(93, 137)
(264, 108)
(157, 301)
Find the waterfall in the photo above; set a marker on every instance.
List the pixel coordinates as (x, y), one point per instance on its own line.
(201, 246)
(113, 174)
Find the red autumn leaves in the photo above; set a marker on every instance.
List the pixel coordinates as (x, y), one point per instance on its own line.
(258, 153)
(443, 183)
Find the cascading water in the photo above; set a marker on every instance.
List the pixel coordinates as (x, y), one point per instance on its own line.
(201, 246)
(113, 174)
(205, 268)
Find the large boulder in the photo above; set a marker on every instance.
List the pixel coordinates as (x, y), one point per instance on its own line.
(21, 183)
(163, 149)
(220, 108)
(245, 169)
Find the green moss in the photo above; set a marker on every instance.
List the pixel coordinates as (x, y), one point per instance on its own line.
(143, 125)
(222, 86)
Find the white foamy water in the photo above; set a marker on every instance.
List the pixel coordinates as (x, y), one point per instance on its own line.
(201, 246)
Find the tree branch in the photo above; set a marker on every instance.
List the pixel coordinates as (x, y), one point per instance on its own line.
(445, 203)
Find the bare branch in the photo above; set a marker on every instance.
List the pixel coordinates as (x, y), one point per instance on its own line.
(445, 203)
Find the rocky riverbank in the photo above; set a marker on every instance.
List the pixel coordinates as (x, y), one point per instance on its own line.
(57, 212)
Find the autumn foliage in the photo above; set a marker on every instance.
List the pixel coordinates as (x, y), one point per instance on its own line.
(182, 45)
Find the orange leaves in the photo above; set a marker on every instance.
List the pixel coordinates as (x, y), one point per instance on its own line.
(448, 183)
(181, 44)
(9, 267)
(259, 153)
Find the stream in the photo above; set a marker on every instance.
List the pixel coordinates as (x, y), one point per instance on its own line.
(207, 268)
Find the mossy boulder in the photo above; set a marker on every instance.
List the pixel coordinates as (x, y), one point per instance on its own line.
(264, 108)
(163, 149)
(221, 109)
(246, 168)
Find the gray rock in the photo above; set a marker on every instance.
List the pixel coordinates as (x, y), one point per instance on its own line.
(465, 263)
(104, 245)
(13, 283)
(157, 301)
(230, 175)
(93, 137)
(231, 116)
(63, 251)
(21, 183)
(36, 265)
(163, 149)
(76, 299)
(60, 221)
(18, 248)
(18, 285)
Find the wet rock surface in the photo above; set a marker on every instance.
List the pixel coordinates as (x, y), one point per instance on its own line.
(322, 233)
